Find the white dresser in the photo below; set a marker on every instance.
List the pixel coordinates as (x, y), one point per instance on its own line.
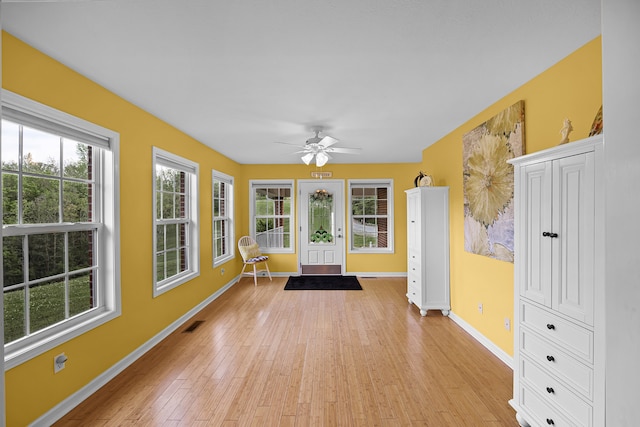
(428, 248)
(558, 377)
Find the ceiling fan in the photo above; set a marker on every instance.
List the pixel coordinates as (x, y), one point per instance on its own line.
(320, 147)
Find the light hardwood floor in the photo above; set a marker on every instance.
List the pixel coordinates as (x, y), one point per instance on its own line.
(268, 357)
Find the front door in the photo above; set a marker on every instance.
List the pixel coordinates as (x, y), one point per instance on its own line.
(321, 210)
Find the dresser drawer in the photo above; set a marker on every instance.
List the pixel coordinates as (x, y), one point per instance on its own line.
(414, 294)
(414, 255)
(414, 280)
(413, 267)
(555, 392)
(570, 336)
(568, 369)
(541, 412)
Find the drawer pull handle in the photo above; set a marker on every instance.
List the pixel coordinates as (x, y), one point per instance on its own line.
(551, 358)
(548, 234)
(550, 390)
(550, 421)
(550, 326)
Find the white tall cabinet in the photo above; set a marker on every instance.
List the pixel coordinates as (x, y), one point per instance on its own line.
(559, 286)
(428, 248)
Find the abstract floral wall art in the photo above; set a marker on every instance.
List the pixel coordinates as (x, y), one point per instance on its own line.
(488, 183)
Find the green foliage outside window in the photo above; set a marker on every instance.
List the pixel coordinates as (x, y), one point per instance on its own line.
(37, 191)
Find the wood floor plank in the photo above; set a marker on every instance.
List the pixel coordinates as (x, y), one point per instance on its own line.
(267, 357)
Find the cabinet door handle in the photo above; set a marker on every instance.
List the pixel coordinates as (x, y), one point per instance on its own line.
(550, 326)
(550, 421)
(548, 234)
(550, 390)
(551, 358)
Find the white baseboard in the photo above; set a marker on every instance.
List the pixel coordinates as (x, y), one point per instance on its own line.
(78, 397)
(497, 351)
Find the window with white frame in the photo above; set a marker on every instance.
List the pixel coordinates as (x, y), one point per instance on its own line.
(60, 230)
(222, 206)
(272, 215)
(175, 240)
(371, 215)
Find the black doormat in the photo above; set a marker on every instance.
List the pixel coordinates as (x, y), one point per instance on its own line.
(323, 283)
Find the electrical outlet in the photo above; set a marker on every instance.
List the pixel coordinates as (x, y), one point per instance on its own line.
(480, 307)
(59, 362)
(222, 272)
(507, 323)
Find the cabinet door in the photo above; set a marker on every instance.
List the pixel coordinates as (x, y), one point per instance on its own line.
(535, 283)
(573, 221)
(414, 241)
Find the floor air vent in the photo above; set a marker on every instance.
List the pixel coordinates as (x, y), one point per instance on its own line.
(193, 326)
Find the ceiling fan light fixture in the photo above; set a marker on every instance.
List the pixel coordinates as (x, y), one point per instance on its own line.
(321, 159)
(307, 158)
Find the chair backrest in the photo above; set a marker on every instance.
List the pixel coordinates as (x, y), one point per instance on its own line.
(248, 248)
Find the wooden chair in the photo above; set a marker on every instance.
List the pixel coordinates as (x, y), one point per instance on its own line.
(250, 251)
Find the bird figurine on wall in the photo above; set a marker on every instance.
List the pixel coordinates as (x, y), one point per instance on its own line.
(565, 131)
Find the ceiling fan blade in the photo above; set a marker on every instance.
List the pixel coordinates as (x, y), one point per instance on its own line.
(344, 150)
(287, 143)
(327, 141)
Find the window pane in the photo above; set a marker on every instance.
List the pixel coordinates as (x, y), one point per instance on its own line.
(168, 204)
(172, 263)
(171, 240)
(182, 235)
(76, 203)
(160, 230)
(9, 198)
(13, 260)
(80, 250)
(81, 293)
(160, 267)
(40, 202)
(369, 206)
(181, 206)
(40, 152)
(216, 207)
(46, 304)
(218, 247)
(183, 262)
(357, 207)
(166, 179)
(46, 255)
(76, 157)
(10, 145)
(14, 327)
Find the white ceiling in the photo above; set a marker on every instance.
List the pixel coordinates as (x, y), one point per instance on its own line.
(388, 76)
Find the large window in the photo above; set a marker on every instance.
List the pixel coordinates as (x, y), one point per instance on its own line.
(371, 216)
(175, 239)
(222, 206)
(272, 215)
(59, 227)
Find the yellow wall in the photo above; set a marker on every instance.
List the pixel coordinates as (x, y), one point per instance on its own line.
(29, 73)
(572, 88)
(402, 175)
